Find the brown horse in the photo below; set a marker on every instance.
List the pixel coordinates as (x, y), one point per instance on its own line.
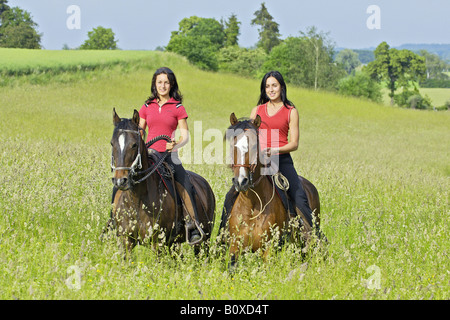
(258, 215)
(143, 209)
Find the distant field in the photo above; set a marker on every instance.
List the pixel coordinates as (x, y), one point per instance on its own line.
(22, 62)
(382, 172)
(438, 95)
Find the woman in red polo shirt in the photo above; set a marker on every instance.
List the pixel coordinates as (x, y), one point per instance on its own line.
(163, 113)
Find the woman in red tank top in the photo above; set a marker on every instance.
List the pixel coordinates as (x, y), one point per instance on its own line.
(279, 118)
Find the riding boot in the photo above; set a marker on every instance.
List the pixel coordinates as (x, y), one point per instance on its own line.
(194, 232)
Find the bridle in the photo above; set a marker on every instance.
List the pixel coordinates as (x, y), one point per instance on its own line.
(251, 166)
(137, 163)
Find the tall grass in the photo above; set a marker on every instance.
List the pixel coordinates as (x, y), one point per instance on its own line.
(382, 174)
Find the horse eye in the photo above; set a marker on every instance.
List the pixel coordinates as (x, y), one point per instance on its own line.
(134, 146)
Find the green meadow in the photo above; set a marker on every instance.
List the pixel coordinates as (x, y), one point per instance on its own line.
(383, 175)
(439, 96)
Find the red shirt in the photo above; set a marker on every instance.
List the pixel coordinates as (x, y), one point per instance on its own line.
(274, 130)
(162, 120)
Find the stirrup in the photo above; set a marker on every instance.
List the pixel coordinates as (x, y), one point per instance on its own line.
(199, 229)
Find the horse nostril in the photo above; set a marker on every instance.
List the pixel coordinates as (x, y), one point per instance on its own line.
(235, 184)
(244, 182)
(121, 182)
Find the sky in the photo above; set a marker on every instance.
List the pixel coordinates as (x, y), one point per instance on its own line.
(147, 24)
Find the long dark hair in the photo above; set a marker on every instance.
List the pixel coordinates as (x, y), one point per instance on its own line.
(263, 98)
(174, 91)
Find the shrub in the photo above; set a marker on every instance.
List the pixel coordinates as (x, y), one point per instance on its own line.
(360, 85)
(444, 107)
(413, 100)
(241, 61)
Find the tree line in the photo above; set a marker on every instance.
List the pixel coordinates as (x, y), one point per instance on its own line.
(308, 60)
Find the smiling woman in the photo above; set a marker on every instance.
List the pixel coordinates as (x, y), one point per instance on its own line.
(280, 119)
(163, 113)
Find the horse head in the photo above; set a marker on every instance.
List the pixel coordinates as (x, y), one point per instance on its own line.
(127, 147)
(243, 137)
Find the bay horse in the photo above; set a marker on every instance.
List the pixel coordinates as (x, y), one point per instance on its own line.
(143, 209)
(258, 214)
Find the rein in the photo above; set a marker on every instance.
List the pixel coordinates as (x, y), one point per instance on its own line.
(156, 165)
(277, 179)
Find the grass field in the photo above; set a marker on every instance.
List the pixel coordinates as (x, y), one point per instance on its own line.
(382, 174)
(25, 62)
(438, 96)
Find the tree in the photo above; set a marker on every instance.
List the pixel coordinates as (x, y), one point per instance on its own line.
(434, 65)
(289, 59)
(17, 28)
(269, 35)
(348, 59)
(306, 60)
(3, 7)
(398, 68)
(100, 39)
(241, 61)
(199, 40)
(319, 53)
(231, 29)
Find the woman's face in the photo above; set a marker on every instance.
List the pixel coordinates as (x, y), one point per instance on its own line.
(162, 85)
(273, 89)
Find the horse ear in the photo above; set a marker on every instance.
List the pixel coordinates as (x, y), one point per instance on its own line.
(257, 121)
(233, 119)
(136, 117)
(116, 118)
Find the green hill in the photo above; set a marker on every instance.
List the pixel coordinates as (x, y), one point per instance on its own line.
(382, 174)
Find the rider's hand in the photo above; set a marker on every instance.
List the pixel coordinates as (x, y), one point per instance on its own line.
(170, 145)
(268, 152)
